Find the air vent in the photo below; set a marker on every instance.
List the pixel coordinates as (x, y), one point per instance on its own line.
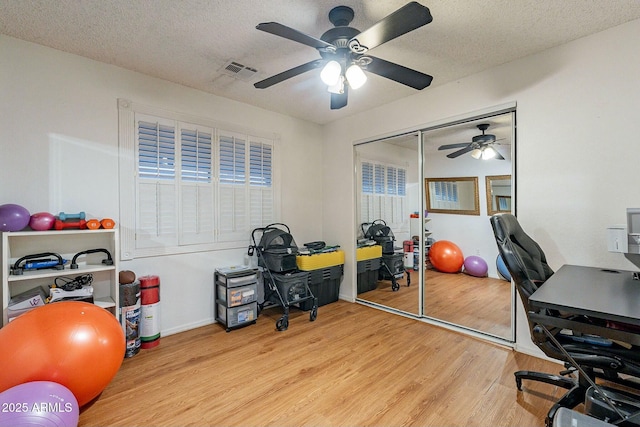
(239, 71)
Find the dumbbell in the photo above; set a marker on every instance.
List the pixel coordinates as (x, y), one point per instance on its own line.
(64, 217)
(93, 224)
(108, 223)
(61, 225)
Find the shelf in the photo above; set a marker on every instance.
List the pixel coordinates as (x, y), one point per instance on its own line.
(68, 244)
(104, 302)
(46, 273)
(12, 234)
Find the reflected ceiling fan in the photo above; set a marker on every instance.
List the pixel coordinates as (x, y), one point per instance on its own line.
(480, 146)
(344, 51)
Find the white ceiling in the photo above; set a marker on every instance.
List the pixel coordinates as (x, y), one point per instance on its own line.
(190, 41)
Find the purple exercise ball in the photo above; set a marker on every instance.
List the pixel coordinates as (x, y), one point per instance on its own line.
(475, 266)
(39, 403)
(13, 217)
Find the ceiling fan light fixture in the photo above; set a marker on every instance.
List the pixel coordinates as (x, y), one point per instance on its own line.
(337, 88)
(488, 153)
(331, 73)
(476, 153)
(355, 76)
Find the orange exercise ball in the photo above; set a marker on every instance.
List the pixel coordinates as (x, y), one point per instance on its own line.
(76, 344)
(446, 256)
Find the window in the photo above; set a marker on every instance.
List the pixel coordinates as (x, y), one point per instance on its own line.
(447, 192)
(383, 193)
(187, 185)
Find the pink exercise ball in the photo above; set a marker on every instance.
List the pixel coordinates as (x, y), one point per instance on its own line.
(42, 221)
(13, 217)
(446, 256)
(475, 266)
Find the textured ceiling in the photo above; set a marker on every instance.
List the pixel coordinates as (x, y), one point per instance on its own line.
(190, 41)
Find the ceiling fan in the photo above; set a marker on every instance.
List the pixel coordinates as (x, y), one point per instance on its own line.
(344, 51)
(480, 146)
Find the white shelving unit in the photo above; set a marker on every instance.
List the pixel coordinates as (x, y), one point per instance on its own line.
(66, 243)
(414, 226)
(416, 229)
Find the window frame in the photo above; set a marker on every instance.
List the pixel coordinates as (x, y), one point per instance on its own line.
(128, 180)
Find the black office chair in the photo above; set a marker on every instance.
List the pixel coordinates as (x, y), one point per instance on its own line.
(528, 267)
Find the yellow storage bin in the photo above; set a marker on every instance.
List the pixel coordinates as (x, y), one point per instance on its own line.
(368, 252)
(318, 261)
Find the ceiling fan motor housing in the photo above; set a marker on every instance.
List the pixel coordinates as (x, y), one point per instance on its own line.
(483, 139)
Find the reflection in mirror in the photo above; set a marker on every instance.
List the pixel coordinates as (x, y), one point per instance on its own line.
(483, 304)
(388, 191)
(498, 194)
(453, 195)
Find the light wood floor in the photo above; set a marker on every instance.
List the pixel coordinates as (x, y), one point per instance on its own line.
(480, 303)
(353, 366)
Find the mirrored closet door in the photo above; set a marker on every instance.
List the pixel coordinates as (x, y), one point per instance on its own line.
(439, 185)
(389, 192)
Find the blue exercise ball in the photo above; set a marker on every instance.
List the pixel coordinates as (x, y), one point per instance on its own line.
(503, 272)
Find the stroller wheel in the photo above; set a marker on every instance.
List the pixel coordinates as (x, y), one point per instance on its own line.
(283, 323)
(314, 313)
(395, 286)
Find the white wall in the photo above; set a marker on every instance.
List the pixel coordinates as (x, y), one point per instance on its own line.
(577, 153)
(59, 140)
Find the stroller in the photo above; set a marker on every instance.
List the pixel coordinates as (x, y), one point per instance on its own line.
(392, 265)
(284, 285)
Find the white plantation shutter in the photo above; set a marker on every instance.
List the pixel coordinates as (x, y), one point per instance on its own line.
(196, 188)
(261, 210)
(232, 181)
(157, 190)
(383, 193)
(187, 186)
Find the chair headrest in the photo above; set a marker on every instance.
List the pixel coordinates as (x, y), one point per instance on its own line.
(523, 257)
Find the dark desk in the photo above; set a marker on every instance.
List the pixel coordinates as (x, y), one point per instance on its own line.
(611, 295)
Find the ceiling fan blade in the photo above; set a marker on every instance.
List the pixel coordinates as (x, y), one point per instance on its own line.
(450, 146)
(498, 156)
(291, 34)
(460, 152)
(339, 100)
(399, 73)
(270, 81)
(409, 17)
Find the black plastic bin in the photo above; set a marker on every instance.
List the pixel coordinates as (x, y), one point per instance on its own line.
(368, 274)
(324, 285)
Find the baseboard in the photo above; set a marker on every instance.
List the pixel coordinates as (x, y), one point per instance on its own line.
(346, 298)
(187, 327)
(535, 352)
